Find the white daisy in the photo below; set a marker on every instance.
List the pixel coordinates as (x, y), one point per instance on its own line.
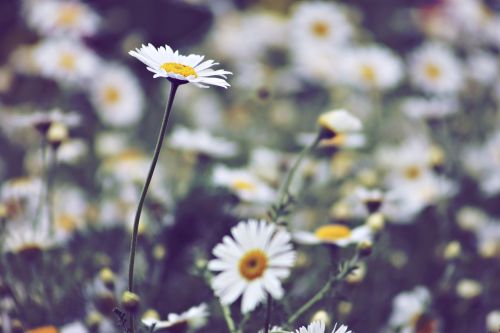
(66, 61)
(252, 262)
(194, 318)
(373, 67)
(319, 24)
(61, 18)
(482, 67)
(435, 69)
(337, 122)
(336, 234)
(201, 141)
(408, 306)
(164, 62)
(319, 327)
(248, 187)
(117, 96)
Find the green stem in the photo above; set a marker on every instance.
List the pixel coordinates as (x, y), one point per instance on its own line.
(49, 180)
(228, 318)
(173, 89)
(267, 323)
(341, 275)
(284, 189)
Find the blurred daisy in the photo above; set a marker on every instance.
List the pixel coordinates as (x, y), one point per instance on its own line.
(319, 327)
(66, 61)
(373, 67)
(408, 307)
(61, 18)
(202, 142)
(429, 108)
(193, 318)
(41, 120)
(117, 96)
(244, 184)
(336, 234)
(252, 262)
(319, 24)
(20, 197)
(337, 122)
(482, 67)
(28, 240)
(164, 62)
(435, 69)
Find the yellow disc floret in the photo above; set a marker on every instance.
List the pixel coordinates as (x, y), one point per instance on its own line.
(253, 264)
(333, 232)
(176, 68)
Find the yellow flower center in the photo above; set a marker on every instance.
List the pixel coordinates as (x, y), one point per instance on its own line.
(432, 71)
(412, 172)
(243, 185)
(69, 15)
(44, 329)
(184, 70)
(320, 29)
(332, 232)
(253, 264)
(111, 95)
(67, 61)
(368, 73)
(66, 222)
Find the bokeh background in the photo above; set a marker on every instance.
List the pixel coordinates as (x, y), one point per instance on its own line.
(422, 76)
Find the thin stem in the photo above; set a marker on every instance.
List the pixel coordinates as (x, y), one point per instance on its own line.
(267, 323)
(133, 244)
(341, 275)
(49, 173)
(228, 318)
(43, 187)
(284, 189)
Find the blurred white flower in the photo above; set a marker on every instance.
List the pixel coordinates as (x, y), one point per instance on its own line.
(435, 69)
(430, 108)
(164, 62)
(319, 25)
(61, 18)
(493, 321)
(338, 122)
(201, 142)
(248, 187)
(252, 262)
(469, 288)
(337, 234)
(482, 67)
(75, 327)
(194, 318)
(67, 61)
(117, 96)
(372, 67)
(408, 307)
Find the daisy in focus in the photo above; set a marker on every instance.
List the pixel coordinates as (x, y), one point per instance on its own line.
(164, 62)
(319, 327)
(193, 318)
(252, 263)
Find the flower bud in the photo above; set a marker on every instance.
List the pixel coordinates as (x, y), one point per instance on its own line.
(365, 248)
(57, 134)
(452, 250)
(323, 316)
(376, 222)
(130, 301)
(107, 276)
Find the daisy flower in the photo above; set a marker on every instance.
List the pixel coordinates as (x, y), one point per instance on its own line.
(319, 24)
(251, 262)
(408, 307)
(117, 96)
(336, 234)
(58, 18)
(164, 62)
(337, 122)
(319, 327)
(193, 318)
(435, 69)
(65, 61)
(201, 141)
(247, 186)
(430, 108)
(373, 67)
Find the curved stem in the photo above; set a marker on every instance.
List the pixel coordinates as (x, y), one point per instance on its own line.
(133, 244)
(340, 276)
(291, 173)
